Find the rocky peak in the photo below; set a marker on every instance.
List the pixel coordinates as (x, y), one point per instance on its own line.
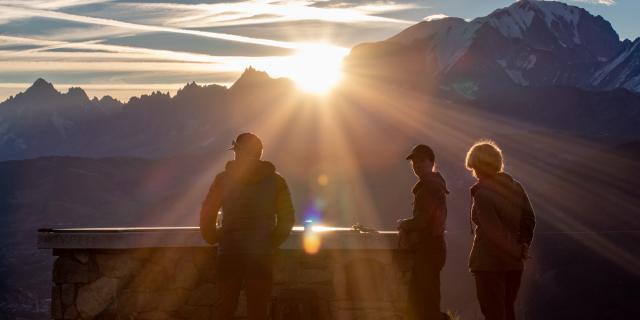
(571, 26)
(42, 87)
(77, 94)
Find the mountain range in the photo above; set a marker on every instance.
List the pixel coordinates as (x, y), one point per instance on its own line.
(530, 43)
(547, 63)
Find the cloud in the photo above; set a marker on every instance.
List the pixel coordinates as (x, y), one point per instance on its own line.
(139, 27)
(51, 4)
(434, 17)
(124, 58)
(604, 2)
(261, 12)
(97, 58)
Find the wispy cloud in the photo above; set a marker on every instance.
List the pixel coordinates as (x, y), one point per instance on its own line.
(98, 57)
(260, 12)
(434, 17)
(604, 2)
(51, 4)
(23, 12)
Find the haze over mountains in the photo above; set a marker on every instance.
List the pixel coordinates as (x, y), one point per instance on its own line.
(551, 83)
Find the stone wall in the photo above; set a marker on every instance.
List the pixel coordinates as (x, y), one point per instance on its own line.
(179, 283)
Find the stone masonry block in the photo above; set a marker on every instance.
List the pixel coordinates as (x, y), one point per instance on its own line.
(68, 270)
(117, 265)
(203, 295)
(94, 297)
(68, 294)
(56, 303)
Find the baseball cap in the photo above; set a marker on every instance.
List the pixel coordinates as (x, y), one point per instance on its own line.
(421, 151)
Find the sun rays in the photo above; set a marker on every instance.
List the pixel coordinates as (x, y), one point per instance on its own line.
(330, 144)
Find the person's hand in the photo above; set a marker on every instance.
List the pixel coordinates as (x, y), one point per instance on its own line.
(402, 224)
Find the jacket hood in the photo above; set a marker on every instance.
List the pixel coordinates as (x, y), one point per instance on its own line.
(249, 171)
(435, 179)
(501, 183)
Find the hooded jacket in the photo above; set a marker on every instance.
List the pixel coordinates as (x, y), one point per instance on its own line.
(429, 206)
(504, 221)
(256, 205)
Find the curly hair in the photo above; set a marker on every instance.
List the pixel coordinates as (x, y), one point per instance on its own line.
(485, 158)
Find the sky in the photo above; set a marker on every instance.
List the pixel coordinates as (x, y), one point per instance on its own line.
(127, 48)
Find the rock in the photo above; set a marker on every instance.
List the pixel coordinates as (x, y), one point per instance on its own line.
(94, 297)
(172, 300)
(117, 265)
(141, 254)
(204, 258)
(68, 270)
(151, 277)
(147, 301)
(167, 258)
(81, 257)
(194, 313)
(314, 276)
(68, 294)
(153, 315)
(126, 304)
(203, 295)
(56, 303)
(186, 274)
(71, 312)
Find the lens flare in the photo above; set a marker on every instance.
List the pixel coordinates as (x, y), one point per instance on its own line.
(323, 180)
(311, 242)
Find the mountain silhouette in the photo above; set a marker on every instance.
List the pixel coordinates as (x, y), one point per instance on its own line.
(545, 63)
(42, 121)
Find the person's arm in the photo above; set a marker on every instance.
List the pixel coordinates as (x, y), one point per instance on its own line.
(490, 226)
(527, 225)
(527, 221)
(424, 205)
(285, 214)
(209, 211)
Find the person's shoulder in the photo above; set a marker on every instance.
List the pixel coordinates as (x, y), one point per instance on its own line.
(279, 178)
(517, 184)
(220, 177)
(481, 191)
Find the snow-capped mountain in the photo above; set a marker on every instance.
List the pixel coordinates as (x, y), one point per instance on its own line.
(530, 43)
(623, 71)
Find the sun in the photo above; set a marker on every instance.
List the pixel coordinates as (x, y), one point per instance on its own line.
(316, 68)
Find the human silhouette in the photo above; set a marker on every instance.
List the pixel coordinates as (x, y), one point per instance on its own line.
(503, 222)
(257, 216)
(423, 235)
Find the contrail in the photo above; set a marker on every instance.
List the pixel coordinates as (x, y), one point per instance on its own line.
(144, 27)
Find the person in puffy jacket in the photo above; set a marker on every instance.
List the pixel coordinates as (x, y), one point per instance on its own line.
(503, 222)
(257, 217)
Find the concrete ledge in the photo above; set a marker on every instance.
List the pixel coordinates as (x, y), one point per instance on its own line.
(167, 237)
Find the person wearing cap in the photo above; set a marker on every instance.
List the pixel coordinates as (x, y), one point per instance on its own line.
(425, 234)
(258, 216)
(502, 223)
